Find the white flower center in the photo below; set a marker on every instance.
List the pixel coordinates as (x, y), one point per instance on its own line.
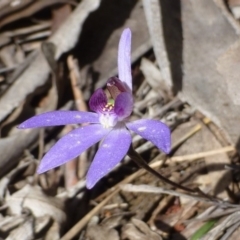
(108, 120)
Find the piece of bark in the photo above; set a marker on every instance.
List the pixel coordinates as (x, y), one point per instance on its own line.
(228, 67)
(210, 64)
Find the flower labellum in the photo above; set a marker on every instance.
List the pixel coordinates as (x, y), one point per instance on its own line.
(109, 123)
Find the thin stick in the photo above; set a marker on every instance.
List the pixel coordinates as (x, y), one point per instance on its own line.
(81, 105)
(71, 175)
(75, 79)
(202, 154)
(81, 224)
(143, 188)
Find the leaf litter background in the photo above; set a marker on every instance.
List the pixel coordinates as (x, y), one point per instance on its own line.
(185, 66)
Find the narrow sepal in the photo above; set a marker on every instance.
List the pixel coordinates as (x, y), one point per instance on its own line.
(154, 131)
(124, 58)
(72, 145)
(111, 151)
(57, 118)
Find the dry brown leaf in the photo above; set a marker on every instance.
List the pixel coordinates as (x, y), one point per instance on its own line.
(154, 77)
(138, 230)
(39, 204)
(9, 158)
(235, 234)
(10, 222)
(103, 231)
(54, 232)
(25, 168)
(41, 223)
(26, 30)
(23, 232)
(11, 56)
(154, 18)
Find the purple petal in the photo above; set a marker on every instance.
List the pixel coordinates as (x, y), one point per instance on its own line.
(57, 118)
(112, 150)
(123, 105)
(154, 131)
(124, 58)
(98, 100)
(72, 145)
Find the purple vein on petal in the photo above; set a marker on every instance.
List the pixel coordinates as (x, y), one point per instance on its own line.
(57, 118)
(98, 100)
(124, 58)
(123, 105)
(112, 150)
(154, 131)
(72, 145)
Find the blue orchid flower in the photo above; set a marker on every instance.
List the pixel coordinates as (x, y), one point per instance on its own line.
(109, 123)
